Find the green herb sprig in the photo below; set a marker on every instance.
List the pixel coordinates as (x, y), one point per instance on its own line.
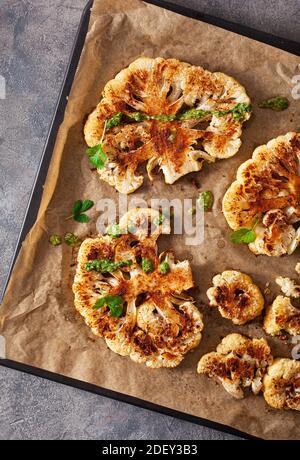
(244, 235)
(96, 154)
(79, 209)
(113, 302)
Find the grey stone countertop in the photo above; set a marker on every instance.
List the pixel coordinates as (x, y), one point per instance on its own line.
(36, 37)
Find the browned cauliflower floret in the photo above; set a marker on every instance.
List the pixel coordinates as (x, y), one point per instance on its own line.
(288, 286)
(274, 236)
(135, 299)
(238, 363)
(236, 296)
(282, 384)
(281, 317)
(268, 188)
(156, 92)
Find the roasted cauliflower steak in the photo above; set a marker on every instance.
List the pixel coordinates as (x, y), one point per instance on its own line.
(236, 297)
(157, 322)
(282, 384)
(238, 363)
(267, 189)
(282, 317)
(153, 97)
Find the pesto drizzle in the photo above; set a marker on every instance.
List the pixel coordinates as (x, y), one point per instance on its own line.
(238, 112)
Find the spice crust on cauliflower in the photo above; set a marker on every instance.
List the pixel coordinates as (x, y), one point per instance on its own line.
(236, 297)
(134, 298)
(281, 317)
(282, 384)
(238, 363)
(268, 188)
(161, 105)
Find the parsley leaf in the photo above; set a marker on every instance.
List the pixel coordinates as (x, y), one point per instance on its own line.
(99, 303)
(81, 218)
(97, 156)
(79, 207)
(243, 235)
(114, 303)
(86, 205)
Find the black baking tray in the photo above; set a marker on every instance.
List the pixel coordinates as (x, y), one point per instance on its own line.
(37, 190)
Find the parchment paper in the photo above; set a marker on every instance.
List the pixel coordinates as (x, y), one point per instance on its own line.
(38, 318)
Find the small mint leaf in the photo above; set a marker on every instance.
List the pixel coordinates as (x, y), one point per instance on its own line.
(97, 156)
(82, 218)
(99, 304)
(77, 207)
(243, 235)
(86, 205)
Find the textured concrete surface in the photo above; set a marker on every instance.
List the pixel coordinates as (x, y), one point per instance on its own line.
(35, 42)
(278, 17)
